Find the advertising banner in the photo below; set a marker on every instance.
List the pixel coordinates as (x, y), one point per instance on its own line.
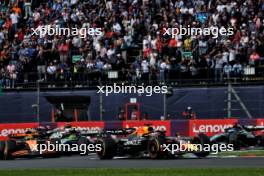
(210, 127)
(182, 127)
(14, 128)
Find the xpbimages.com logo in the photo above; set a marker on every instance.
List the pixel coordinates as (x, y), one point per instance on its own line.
(61, 31)
(147, 90)
(57, 147)
(194, 31)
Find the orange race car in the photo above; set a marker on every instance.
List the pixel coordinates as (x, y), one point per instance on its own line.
(25, 145)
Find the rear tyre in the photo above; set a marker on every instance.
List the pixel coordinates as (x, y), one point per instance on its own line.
(56, 154)
(233, 139)
(204, 140)
(10, 147)
(2, 149)
(108, 148)
(83, 141)
(261, 141)
(154, 148)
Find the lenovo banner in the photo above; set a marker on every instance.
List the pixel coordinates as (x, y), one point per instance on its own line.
(260, 122)
(157, 125)
(210, 127)
(13, 128)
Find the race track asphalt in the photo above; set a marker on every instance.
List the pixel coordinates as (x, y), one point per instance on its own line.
(94, 162)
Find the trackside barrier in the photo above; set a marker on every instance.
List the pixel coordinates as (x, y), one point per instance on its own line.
(182, 127)
(210, 127)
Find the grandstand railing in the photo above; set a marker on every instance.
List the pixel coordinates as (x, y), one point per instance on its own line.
(173, 78)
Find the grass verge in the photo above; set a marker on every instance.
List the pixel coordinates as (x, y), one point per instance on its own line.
(242, 153)
(135, 172)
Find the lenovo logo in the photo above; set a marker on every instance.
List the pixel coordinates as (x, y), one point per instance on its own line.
(217, 128)
(6, 132)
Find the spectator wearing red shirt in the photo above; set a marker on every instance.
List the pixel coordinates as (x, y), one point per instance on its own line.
(254, 58)
(172, 46)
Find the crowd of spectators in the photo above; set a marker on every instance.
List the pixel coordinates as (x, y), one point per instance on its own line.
(128, 25)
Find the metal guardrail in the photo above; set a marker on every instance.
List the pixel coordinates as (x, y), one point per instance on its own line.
(90, 80)
(93, 84)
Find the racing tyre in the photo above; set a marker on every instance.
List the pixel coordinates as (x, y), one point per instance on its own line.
(10, 147)
(83, 141)
(233, 139)
(108, 148)
(202, 139)
(2, 149)
(154, 148)
(261, 141)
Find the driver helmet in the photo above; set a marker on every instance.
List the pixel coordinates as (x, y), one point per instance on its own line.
(189, 108)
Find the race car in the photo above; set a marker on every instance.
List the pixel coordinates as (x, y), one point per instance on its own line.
(70, 136)
(25, 145)
(35, 142)
(146, 142)
(240, 136)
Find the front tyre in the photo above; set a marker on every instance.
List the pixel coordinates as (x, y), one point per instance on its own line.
(108, 148)
(83, 141)
(204, 140)
(2, 149)
(154, 148)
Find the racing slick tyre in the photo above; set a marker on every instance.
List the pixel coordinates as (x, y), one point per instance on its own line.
(108, 148)
(83, 141)
(233, 139)
(154, 147)
(261, 140)
(10, 147)
(2, 149)
(56, 154)
(202, 139)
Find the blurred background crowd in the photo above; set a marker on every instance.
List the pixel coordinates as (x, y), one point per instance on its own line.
(132, 44)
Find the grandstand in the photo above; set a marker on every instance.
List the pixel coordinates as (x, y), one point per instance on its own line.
(132, 44)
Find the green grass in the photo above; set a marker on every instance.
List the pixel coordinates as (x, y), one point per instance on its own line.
(242, 153)
(135, 172)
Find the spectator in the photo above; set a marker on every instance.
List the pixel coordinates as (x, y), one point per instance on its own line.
(11, 75)
(51, 70)
(121, 114)
(2, 78)
(227, 70)
(134, 114)
(145, 70)
(28, 12)
(14, 20)
(237, 69)
(254, 58)
(189, 113)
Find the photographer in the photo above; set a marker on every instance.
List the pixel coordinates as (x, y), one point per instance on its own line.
(189, 113)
